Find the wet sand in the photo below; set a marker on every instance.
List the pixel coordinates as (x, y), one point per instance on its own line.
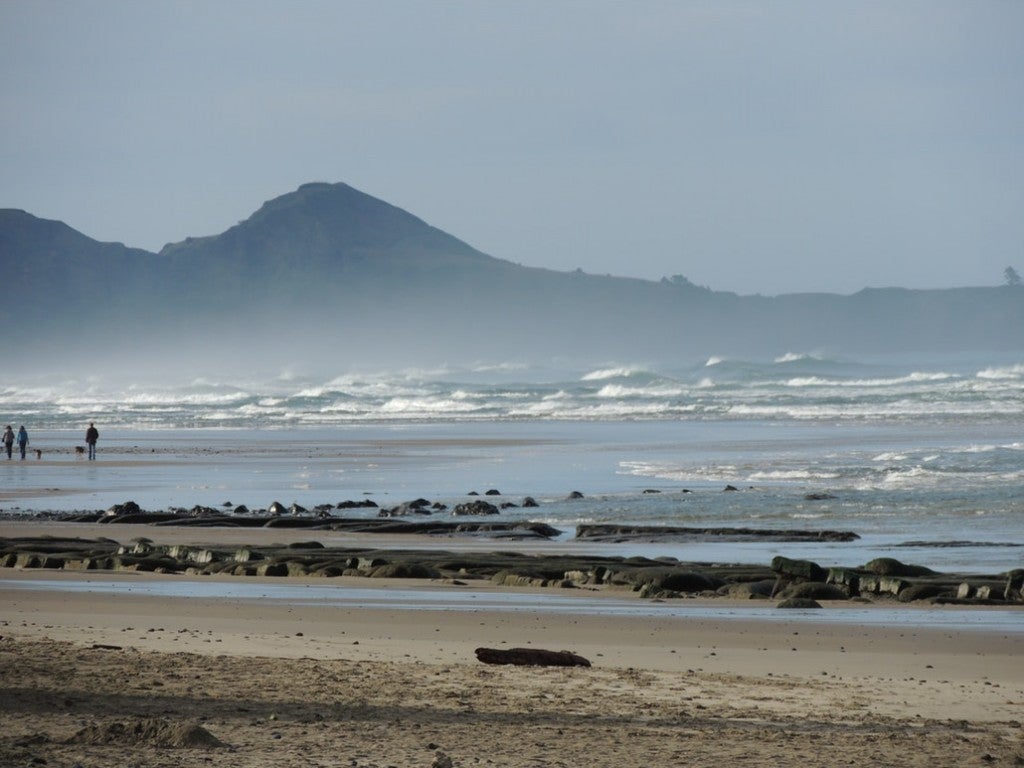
(112, 678)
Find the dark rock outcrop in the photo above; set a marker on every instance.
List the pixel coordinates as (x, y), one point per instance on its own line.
(887, 566)
(798, 602)
(623, 533)
(535, 657)
(478, 507)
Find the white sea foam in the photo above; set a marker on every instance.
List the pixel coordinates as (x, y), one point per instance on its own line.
(791, 474)
(890, 457)
(621, 391)
(1004, 372)
(610, 373)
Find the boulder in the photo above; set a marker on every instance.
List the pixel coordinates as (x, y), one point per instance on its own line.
(798, 602)
(887, 566)
(478, 507)
(676, 580)
(921, 592)
(748, 590)
(798, 569)
(356, 504)
(127, 508)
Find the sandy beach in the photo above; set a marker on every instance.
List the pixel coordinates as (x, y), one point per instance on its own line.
(133, 676)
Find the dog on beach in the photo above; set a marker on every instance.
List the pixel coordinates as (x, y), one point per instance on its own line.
(80, 450)
(39, 454)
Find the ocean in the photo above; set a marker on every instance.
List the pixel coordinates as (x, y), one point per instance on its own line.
(922, 457)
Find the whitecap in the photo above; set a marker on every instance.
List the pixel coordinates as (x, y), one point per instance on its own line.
(610, 373)
(797, 357)
(1005, 372)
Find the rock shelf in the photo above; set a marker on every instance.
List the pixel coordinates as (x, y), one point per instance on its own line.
(662, 578)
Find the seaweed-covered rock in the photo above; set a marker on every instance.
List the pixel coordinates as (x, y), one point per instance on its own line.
(887, 566)
(798, 569)
(404, 571)
(921, 592)
(748, 590)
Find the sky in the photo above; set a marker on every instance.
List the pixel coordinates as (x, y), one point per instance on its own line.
(754, 147)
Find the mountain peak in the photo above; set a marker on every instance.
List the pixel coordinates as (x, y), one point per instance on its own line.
(326, 221)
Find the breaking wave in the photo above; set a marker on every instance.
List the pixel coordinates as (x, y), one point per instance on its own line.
(794, 387)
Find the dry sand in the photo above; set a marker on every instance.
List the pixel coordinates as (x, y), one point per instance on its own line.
(122, 679)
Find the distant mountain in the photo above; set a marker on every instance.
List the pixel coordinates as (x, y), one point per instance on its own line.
(330, 273)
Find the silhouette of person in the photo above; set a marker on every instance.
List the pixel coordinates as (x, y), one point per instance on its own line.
(8, 440)
(91, 436)
(22, 440)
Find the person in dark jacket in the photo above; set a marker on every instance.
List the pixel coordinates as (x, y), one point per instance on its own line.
(8, 440)
(22, 440)
(91, 436)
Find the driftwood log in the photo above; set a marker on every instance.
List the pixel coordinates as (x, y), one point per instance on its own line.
(530, 657)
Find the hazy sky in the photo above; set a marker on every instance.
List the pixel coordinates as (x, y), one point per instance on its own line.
(758, 147)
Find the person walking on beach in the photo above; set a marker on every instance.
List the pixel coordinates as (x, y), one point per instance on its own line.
(91, 436)
(8, 440)
(22, 440)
